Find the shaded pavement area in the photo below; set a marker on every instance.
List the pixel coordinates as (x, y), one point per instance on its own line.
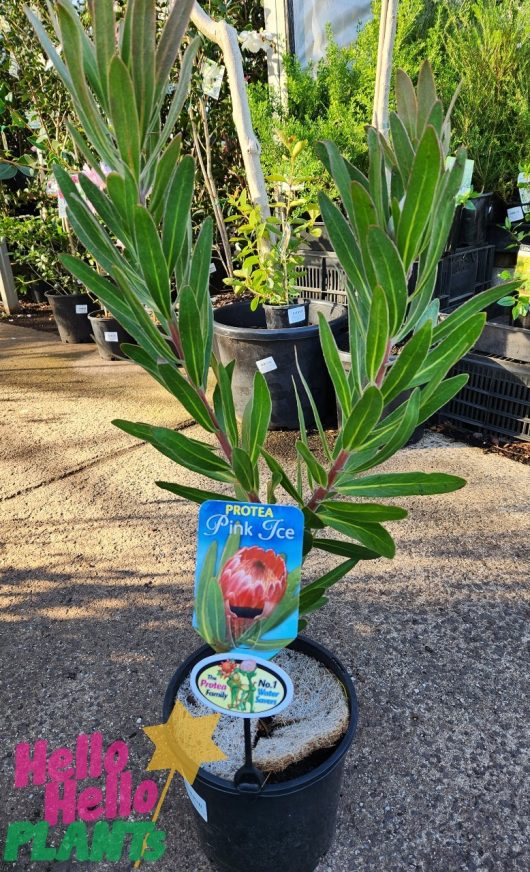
(97, 574)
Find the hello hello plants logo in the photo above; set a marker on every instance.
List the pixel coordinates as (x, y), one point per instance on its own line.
(90, 791)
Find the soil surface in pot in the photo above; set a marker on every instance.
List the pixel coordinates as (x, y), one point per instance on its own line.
(297, 739)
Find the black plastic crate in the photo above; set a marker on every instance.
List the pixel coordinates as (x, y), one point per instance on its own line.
(322, 278)
(495, 400)
(463, 274)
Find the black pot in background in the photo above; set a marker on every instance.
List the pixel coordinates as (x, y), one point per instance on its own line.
(38, 291)
(284, 317)
(109, 335)
(345, 357)
(240, 335)
(289, 825)
(71, 313)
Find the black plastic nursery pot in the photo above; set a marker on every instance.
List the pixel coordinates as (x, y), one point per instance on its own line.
(285, 317)
(71, 313)
(241, 335)
(288, 825)
(108, 336)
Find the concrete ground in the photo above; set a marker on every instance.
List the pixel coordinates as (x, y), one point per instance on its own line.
(97, 573)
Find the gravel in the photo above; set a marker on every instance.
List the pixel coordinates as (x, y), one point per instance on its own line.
(97, 575)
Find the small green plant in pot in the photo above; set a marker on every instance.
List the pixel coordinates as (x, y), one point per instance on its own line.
(268, 250)
(399, 213)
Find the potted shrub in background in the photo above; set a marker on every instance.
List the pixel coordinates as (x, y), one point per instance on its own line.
(108, 335)
(399, 213)
(276, 331)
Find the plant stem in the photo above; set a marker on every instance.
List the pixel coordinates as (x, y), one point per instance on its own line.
(321, 492)
(226, 448)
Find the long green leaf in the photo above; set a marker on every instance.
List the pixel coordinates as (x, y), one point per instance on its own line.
(142, 62)
(476, 304)
(407, 364)
(165, 169)
(334, 364)
(440, 360)
(227, 404)
(152, 260)
(389, 273)
(190, 493)
(256, 425)
(323, 583)
(402, 484)
(178, 204)
(345, 245)
(87, 110)
(191, 336)
(314, 467)
(123, 114)
(105, 209)
(345, 549)
(402, 147)
(170, 39)
(443, 394)
(369, 513)
(244, 469)
(186, 452)
(407, 105)
(177, 385)
(104, 26)
(419, 198)
(285, 481)
(372, 536)
(362, 419)
(378, 334)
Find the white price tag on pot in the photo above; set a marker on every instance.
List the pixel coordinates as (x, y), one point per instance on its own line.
(296, 315)
(81, 310)
(111, 336)
(266, 364)
(197, 801)
(515, 214)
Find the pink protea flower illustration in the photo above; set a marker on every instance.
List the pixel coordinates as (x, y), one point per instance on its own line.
(226, 668)
(252, 582)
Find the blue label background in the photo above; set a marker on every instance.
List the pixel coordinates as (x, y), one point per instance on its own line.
(290, 549)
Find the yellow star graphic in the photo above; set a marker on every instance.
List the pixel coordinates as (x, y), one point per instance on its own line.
(184, 742)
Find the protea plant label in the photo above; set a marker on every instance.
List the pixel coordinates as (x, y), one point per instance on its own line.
(247, 584)
(242, 686)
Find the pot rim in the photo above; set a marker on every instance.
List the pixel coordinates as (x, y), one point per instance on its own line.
(267, 334)
(328, 659)
(66, 296)
(95, 315)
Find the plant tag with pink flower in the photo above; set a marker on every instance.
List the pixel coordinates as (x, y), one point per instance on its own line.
(247, 580)
(241, 686)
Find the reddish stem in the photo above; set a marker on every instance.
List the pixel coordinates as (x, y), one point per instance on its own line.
(219, 433)
(382, 369)
(320, 493)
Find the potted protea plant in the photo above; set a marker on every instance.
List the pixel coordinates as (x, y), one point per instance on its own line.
(398, 214)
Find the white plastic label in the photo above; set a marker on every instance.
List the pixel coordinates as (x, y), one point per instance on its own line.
(111, 337)
(296, 315)
(197, 801)
(266, 364)
(81, 310)
(515, 214)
